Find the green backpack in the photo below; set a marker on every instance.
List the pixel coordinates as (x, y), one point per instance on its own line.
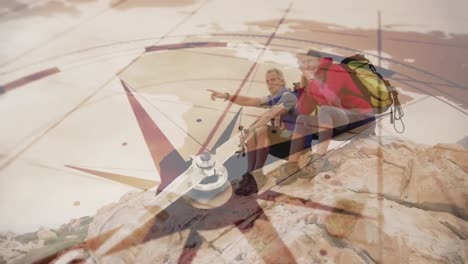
(378, 91)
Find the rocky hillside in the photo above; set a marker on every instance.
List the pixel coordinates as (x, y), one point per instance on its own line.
(385, 201)
(43, 244)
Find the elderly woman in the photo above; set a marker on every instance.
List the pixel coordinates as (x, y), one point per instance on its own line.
(343, 111)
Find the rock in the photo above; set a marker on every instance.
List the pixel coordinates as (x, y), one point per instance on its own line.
(37, 243)
(45, 254)
(393, 232)
(25, 238)
(463, 142)
(458, 226)
(454, 153)
(416, 174)
(46, 234)
(75, 223)
(43, 244)
(11, 250)
(72, 255)
(347, 256)
(10, 234)
(71, 237)
(386, 200)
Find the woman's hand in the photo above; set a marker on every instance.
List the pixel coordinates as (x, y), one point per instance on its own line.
(307, 75)
(217, 95)
(308, 68)
(304, 82)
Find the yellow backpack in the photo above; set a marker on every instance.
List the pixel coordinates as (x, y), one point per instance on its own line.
(378, 91)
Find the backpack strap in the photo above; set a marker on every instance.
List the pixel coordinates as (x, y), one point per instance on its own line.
(396, 111)
(356, 57)
(365, 94)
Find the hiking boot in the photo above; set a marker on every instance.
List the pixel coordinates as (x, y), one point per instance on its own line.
(260, 178)
(317, 164)
(290, 171)
(250, 183)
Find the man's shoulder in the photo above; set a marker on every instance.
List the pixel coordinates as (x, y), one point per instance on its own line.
(288, 99)
(289, 95)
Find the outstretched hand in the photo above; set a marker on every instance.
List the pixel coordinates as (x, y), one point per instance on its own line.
(307, 76)
(216, 95)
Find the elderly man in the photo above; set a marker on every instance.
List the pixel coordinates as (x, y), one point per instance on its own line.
(265, 139)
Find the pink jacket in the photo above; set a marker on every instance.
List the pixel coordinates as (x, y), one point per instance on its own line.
(332, 86)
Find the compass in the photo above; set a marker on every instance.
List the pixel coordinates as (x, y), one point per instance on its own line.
(194, 194)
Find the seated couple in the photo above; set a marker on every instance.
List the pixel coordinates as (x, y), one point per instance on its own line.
(343, 112)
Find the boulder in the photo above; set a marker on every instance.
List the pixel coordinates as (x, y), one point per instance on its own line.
(429, 177)
(46, 234)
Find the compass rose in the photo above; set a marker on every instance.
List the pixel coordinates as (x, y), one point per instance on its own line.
(182, 213)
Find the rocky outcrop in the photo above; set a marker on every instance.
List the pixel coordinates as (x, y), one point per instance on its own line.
(430, 178)
(43, 244)
(385, 201)
(46, 234)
